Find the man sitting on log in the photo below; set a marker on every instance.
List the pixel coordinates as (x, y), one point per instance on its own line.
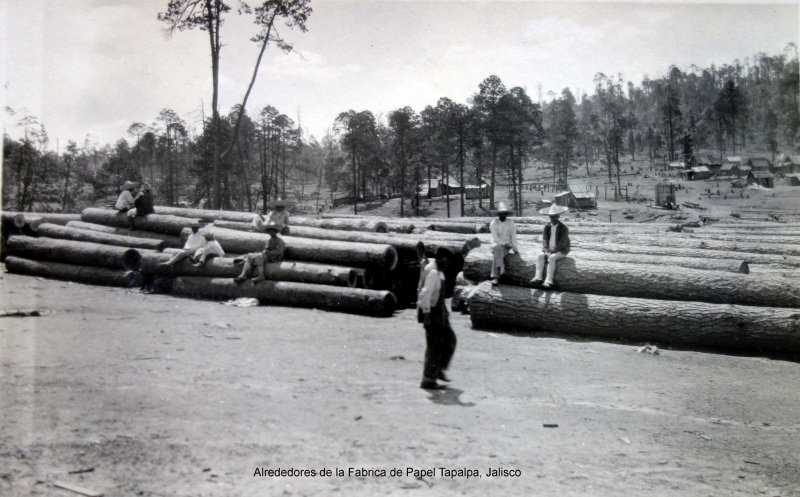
(192, 248)
(555, 245)
(126, 202)
(278, 215)
(273, 252)
(211, 249)
(504, 237)
(432, 312)
(144, 201)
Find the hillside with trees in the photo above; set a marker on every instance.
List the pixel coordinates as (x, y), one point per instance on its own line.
(239, 160)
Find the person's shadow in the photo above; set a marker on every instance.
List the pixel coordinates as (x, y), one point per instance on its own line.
(449, 397)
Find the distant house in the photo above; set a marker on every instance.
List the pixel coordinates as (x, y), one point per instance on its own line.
(759, 164)
(584, 197)
(450, 187)
(697, 173)
(472, 192)
(726, 170)
(793, 179)
(791, 164)
(733, 159)
(708, 161)
(762, 178)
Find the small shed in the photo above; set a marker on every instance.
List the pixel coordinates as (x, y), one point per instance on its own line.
(762, 178)
(793, 179)
(450, 187)
(791, 164)
(473, 192)
(708, 161)
(584, 197)
(665, 193)
(726, 170)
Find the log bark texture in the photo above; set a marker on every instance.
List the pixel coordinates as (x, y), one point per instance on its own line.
(205, 215)
(158, 223)
(72, 252)
(728, 265)
(73, 272)
(226, 267)
(352, 300)
(682, 324)
(458, 227)
(69, 233)
(640, 280)
(169, 240)
(370, 255)
(346, 224)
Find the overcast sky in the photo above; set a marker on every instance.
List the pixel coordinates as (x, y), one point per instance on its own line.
(96, 66)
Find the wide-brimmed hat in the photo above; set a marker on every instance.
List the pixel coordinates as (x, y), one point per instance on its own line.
(146, 186)
(501, 209)
(129, 185)
(279, 202)
(196, 224)
(273, 226)
(554, 210)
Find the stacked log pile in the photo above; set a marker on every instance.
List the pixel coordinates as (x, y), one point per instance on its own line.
(648, 283)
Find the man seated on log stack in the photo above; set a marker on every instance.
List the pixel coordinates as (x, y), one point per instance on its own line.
(144, 201)
(192, 248)
(277, 215)
(273, 252)
(211, 249)
(504, 237)
(555, 245)
(126, 202)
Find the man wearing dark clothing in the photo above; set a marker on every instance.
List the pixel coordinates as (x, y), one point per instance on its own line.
(144, 201)
(432, 312)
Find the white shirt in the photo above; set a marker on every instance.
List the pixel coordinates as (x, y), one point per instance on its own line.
(504, 232)
(431, 288)
(125, 201)
(214, 248)
(195, 241)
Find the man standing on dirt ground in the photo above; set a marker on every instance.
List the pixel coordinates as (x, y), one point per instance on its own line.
(504, 237)
(555, 245)
(432, 312)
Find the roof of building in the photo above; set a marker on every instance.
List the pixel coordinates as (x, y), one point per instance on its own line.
(733, 158)
(793, 175)
(792, 159)
(759, 162)
(700, 169)
(707, 160)
(726, 167)
(761, 174)
(677, 165)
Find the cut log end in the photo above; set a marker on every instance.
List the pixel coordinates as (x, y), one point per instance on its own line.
(132, 259)
(744, 268)
(381, 227)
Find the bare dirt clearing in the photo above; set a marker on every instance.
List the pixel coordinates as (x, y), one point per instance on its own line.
(170, 396)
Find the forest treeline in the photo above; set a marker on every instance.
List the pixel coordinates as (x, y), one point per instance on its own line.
(491, 138)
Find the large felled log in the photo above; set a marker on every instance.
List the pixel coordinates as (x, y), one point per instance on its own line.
(33, 219)
(683, 324)
(158, 223)
(640, 280)
(353, 300)
(72, 252)
(790, 249)
(458, 227)
(227, 267)
(631, 248)
(69, 233)
(347, 224)
(72, 272)
(394, 224)
(169, 240)
(205, 215)
(731, 265)
(353, 254)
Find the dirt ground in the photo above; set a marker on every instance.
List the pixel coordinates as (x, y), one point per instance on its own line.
(127, 394)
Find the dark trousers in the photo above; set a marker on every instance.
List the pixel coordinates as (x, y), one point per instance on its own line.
(441, 344)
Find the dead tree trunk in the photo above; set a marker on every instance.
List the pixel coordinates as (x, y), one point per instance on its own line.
(682, 324)
(353, 300)
(72, 252)
(71, 272)
(641, 280)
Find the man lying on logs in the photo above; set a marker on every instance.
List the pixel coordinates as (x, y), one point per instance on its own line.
(278, 215)
(273, 252)
(193, 247)
(555, 245)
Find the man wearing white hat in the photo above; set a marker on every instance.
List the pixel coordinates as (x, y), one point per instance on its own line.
(504, 237)
(278, 215)
(126, 203)
(555, 245)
